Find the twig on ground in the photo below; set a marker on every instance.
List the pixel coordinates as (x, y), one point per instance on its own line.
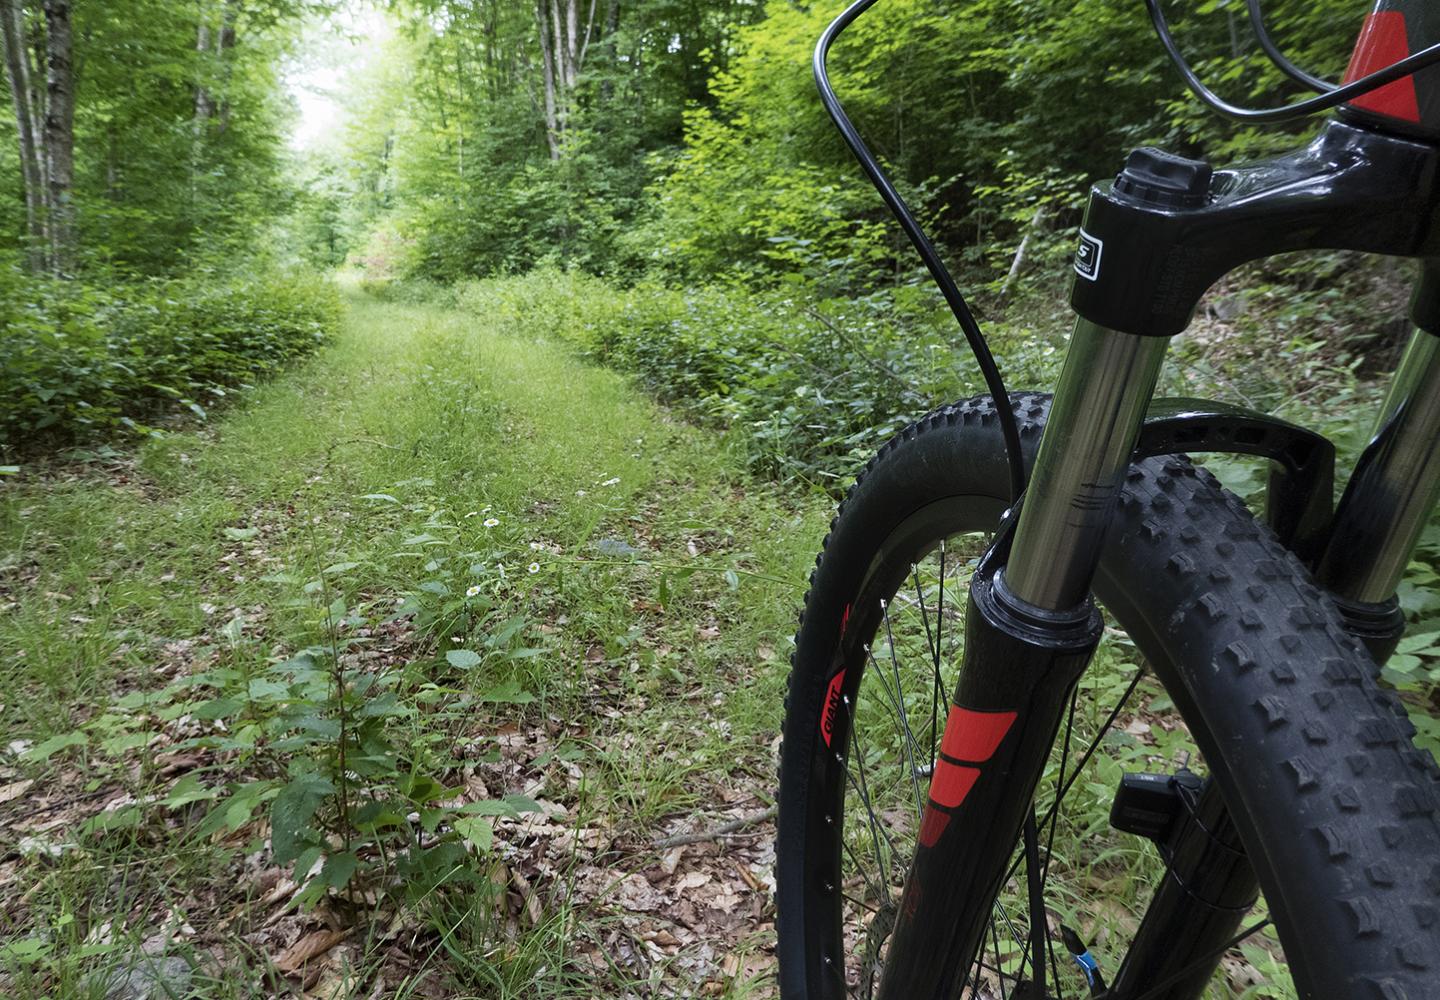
(734, 826)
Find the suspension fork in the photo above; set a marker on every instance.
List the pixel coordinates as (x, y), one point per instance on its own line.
(1388, 500)
(1031, 618)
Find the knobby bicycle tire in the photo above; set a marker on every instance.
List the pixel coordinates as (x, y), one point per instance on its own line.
(1336, 807)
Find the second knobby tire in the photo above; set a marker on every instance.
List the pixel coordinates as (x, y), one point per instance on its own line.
(1336, 807)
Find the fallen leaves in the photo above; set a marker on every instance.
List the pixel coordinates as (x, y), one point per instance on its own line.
(310, 947)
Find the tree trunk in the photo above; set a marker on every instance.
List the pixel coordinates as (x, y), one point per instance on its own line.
(547, 59)
(17, 72)
(224, 42)
(1019, 260)
(60, 135)
(557, 47)
(572, 49)
(202, 92)
(612, 23)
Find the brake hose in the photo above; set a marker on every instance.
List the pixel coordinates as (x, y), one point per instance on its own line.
(1008, 428)
(1262, 35)
(1324, 102)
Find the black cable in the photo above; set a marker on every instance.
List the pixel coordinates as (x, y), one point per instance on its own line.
(1324, 102)
(1262, 35)
(1008, 429)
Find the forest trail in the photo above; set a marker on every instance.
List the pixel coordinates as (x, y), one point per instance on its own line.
(427, 453)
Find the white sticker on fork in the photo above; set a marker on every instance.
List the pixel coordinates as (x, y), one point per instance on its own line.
(1087, 256)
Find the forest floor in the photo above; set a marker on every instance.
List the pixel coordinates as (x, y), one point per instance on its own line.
(648, 589)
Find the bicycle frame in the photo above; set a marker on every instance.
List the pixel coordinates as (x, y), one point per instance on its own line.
(1151, 243)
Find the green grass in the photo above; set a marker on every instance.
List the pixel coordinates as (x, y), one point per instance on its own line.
(661, 606)
(193, 631)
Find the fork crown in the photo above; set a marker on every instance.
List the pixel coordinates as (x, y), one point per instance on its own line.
(1167, 228)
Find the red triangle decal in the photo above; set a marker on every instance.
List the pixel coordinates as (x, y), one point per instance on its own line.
(1384, 42)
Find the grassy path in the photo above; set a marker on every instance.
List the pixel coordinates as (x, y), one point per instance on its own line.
(513, 577)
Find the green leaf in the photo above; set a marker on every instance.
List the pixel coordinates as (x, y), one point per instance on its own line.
(125, 818)
(380, 496)
(233, 629)
(1425, 642)
(476, 831)
(235, 812)
(291, 812)
(188, 789)
(23, 951)
(340, 567)
(463, 659)
(1402, 663)
(338, 869)
(43, 751)
(506, 692)
(510, 805)
(305, 863)
(219, 708)
(240, 534)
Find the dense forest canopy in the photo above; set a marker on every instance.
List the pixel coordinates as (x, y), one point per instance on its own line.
(675, 137)
(634, 136)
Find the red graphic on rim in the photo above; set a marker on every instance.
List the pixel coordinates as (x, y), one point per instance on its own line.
(971, 738)
(831, 707)
(1384, 42)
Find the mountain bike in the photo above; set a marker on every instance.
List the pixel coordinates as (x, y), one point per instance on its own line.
(940, 720)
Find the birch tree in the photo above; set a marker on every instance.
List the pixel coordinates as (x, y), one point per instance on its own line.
(27, 116)
(59, 136)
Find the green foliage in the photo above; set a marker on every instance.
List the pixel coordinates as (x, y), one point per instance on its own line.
(805, 389)
(83, 361)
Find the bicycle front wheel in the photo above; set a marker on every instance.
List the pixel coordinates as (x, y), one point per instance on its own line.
(1336, 808)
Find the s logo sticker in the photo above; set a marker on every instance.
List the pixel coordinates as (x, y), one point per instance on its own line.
(1087, 256)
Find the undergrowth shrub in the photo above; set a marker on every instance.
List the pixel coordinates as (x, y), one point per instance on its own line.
(82, 362)
(806, 387)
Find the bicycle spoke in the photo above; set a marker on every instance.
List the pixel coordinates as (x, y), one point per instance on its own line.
(877, 847)
(904, 718)
(1059, 782)
(860, 787)
(1036, 896)
(1050, 814)
(934, 647)
(1203, 960)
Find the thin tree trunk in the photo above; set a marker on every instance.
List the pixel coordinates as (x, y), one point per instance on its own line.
(1019, 260)
(224, 42)
(60, 134)
(17, 72)
(572, 43)
(585, 44)
(202, 92)
(557, 47)
(612, 23)
(547, 59)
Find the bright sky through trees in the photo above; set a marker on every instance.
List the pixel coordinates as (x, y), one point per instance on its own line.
(331, 52)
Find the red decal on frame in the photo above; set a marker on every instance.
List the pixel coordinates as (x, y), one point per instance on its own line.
(1384, 42)
(952, 782)
(973, 736)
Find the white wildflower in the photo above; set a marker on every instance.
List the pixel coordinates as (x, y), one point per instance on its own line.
(472, 591)
(534, 567)
(490, 522)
